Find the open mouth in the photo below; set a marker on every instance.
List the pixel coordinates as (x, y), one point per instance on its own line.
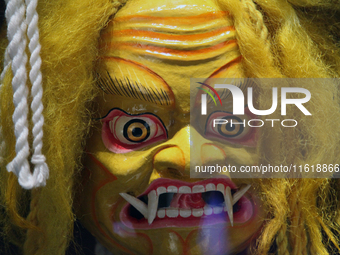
(172, 203)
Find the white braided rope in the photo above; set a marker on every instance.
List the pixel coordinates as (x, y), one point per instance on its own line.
(16, 33)
(15, 15)
(7, 64)
(37, 107)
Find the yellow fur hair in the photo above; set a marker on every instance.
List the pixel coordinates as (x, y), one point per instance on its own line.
(276, 38)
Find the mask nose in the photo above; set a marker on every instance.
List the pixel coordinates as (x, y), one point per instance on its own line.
(174, 161)
(171, 163)
(211, 155)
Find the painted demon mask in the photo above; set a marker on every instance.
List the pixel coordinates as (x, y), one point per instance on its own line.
(139, 197)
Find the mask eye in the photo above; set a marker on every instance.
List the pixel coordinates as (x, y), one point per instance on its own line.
(230, 130)
(136, 130)
(223, 126)
(123, 132)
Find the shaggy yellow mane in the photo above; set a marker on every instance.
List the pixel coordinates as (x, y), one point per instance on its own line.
(295, 39)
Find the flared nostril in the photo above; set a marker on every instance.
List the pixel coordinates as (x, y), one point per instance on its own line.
(172, 173)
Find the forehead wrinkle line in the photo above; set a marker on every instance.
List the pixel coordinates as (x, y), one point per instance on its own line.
(179, 36)
(170, 52)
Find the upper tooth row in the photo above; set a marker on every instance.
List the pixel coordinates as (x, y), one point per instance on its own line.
(175, 212)
(194, 189)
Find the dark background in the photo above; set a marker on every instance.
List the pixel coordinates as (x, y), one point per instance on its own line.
(2, 11)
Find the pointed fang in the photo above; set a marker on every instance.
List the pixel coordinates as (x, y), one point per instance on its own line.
(240, 193)
(152, 206)
(229, 206)
(136, 203)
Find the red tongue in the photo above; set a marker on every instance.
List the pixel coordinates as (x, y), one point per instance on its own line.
(187, 201)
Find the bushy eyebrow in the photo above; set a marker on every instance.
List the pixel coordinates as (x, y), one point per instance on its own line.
(132, 89)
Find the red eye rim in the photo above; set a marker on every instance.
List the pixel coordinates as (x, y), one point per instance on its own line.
(249, 139)
(118, 147)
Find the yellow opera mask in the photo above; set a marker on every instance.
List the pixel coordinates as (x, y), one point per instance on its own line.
(138, 197)
(107, 127)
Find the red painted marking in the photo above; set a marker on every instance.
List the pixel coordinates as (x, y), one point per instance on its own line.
(100, 164)
(147, 238)
(163, 50)
(163, 36)
(184, 242)
(110, 178)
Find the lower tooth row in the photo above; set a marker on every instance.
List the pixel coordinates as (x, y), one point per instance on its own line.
(175, 212)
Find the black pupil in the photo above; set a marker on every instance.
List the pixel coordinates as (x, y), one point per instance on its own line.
(137, 132)
(229, 127)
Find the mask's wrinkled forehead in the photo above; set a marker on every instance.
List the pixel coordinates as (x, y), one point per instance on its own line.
(156, 47)
(188, 33)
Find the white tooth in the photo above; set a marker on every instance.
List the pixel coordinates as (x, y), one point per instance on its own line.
(172, 189)
(217, 210)
(184, 189)
(152, 206)
(228, 205)
(207, 210)
(240, 193)
(198, 189)
(185, 213)
(161, 213)
(210, 187)
(161, 190)
(197, 212)
(220, 188)
(136, 203)
(172, 213)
